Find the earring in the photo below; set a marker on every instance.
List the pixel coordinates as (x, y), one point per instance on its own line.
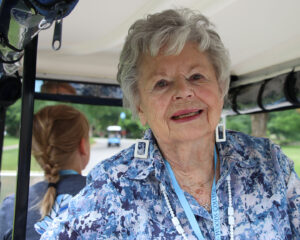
(221, 130)
(141, 148)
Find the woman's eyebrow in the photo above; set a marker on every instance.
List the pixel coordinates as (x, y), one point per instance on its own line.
(196, 67)
(156, 74)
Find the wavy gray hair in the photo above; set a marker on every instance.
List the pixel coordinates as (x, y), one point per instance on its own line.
(171, 29)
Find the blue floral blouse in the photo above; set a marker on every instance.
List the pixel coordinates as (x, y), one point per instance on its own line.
(123, 200)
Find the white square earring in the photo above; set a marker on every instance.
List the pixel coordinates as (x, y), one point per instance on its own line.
(221, 128)
(141, 148)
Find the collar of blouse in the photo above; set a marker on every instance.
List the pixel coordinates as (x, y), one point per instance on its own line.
(231, 154)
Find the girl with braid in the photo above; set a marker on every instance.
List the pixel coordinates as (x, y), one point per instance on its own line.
(60, 144)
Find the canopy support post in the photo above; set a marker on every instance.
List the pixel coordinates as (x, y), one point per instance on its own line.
(23, 177)
(2, 129)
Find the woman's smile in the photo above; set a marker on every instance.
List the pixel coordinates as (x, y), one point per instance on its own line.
(186, 115)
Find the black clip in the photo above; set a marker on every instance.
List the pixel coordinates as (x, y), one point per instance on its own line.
(56, 43)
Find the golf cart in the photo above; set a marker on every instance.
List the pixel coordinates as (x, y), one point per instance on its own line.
(262, 36)
(114, 136)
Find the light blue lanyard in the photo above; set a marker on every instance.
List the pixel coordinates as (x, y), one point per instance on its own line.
(188, 210)
(68, 172)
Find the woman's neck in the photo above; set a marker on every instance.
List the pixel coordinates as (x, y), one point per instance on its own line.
(193, 166)
(73, 162)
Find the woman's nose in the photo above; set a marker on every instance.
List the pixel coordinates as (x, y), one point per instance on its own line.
(182, 89)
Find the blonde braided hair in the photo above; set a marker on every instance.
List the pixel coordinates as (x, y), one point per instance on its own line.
(57, 132)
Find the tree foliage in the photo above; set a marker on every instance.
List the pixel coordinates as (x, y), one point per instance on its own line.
(283, 126)
(241, 123)
(12, 119)
(134, 128)
(99, 117)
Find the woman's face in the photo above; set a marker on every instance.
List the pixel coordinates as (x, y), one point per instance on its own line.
(180, 97)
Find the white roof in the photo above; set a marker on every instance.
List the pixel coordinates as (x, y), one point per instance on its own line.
(258, 33)
(114, 128)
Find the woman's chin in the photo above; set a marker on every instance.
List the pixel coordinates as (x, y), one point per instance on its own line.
(190, 131)
(187, 136)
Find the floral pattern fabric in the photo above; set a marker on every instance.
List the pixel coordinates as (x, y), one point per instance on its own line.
(123, 199)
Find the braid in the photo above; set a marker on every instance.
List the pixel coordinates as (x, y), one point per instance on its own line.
(52, 175)
(57, 131)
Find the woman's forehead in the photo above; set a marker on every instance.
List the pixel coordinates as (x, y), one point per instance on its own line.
(188, 59)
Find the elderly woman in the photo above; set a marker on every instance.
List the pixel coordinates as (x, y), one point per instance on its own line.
(178, 182)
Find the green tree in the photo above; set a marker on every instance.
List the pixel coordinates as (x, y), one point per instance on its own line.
(12, 119)
(100, 117)
(133, 127)
(39, 104)
(285, 125)
(241, 123)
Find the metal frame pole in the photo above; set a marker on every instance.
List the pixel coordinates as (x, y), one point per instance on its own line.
(2, 129)
(23, 177)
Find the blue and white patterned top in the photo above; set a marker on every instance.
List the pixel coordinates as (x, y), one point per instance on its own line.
(123, 200)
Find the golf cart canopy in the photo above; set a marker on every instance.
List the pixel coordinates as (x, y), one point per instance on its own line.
(262, 37)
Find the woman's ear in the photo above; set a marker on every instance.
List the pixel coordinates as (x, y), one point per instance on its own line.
(84, 150)
(142, 115)
(83, 147)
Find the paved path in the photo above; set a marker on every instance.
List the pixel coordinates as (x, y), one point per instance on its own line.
(16, 146)
(100, 151)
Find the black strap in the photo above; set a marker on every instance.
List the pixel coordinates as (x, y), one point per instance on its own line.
(11, 61)
(52, 185)
(290, 89)
(49, 6)
(4, 41)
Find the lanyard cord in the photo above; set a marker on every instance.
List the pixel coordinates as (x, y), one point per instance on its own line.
(187, 208)
(68, 172)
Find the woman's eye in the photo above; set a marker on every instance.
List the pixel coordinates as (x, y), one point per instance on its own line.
(161, 84)
(196, 76)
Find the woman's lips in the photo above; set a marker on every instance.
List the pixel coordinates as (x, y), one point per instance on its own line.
(186, 115)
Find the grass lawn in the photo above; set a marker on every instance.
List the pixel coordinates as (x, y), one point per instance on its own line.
(10, 161)
(8, 141)
(92, 141)
(10, 157)
(293, 152)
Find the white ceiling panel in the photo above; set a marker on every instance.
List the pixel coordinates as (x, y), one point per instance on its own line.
(258, 34)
